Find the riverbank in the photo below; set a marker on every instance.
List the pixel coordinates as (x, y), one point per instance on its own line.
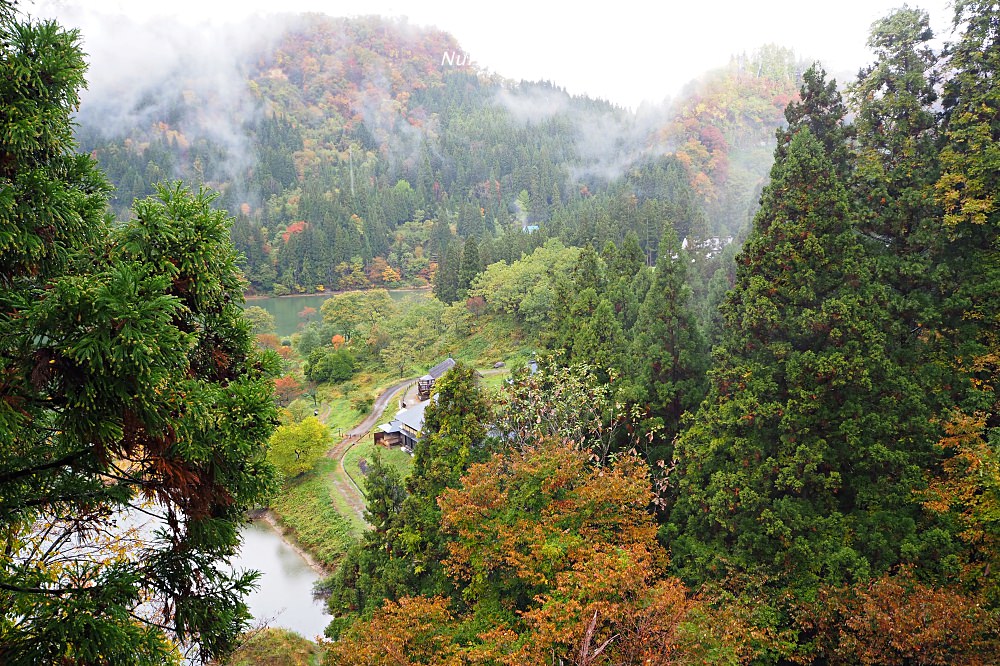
(321, 513)
(271, 519)
(316, 294)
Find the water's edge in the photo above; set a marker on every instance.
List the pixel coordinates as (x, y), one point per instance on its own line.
(268, 517)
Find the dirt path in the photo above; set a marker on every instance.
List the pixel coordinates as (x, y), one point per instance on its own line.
(342, 482)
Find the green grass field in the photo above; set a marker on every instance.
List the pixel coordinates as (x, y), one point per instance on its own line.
(317, 516)
(364, 449)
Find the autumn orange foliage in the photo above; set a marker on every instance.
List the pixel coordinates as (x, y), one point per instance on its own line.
(269, 341)
(286, 388)
(556, 561)
(407, 632)
(293, 228)
(897, 620)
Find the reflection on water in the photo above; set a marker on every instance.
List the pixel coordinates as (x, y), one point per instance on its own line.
(284, 594)
(286, 308)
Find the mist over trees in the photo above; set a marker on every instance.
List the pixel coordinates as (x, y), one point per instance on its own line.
(352, 156)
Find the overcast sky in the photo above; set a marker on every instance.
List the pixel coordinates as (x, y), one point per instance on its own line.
(624, 51)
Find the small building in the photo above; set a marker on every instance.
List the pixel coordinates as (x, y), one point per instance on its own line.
(425, 385)
(388, 434)
(404, 430)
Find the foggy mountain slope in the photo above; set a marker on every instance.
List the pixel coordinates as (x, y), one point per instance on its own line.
(345, 130)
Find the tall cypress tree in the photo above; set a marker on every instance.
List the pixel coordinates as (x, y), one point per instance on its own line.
(967, 483)
(599, 341)
(627, 280)
(470, 266)
(446, 279)
(897, 165)
(130, 391)
(669, 352)
(969, 189)
(820, 109)
(801, 463)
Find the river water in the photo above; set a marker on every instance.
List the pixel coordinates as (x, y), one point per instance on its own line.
(286, 308)
(284, 594)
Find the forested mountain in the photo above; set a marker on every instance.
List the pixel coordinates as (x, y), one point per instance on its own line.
(357, 150)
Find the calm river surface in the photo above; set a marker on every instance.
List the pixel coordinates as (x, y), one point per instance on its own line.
(286, 308)
(284, 596)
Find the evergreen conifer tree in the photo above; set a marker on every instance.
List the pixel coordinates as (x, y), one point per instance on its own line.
(897, 165)
(130, 390)
(470, 266)
(669, 352)
(447, 279)
(969, 192)
(802, 462)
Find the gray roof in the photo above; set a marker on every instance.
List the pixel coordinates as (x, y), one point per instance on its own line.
(444, 366)
(413, 417)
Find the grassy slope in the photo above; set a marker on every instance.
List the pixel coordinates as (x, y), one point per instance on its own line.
(309, 509)
(277, 647)
(365, 449)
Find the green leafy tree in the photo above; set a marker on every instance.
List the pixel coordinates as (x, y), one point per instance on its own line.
(330, 365)
(296, 447)
(355, 313)
(398, 355)
(525, 289)
(130, 392)
(803, 461)
(261, 321)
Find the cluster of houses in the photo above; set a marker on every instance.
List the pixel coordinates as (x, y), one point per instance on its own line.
(708, 246)
(404, 430)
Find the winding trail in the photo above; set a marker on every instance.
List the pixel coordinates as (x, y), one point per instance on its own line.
(342, 482)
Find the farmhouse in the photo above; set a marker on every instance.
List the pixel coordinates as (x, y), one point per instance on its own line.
(406, 428)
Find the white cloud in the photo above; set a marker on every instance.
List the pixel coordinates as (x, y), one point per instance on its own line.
(625, 51)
